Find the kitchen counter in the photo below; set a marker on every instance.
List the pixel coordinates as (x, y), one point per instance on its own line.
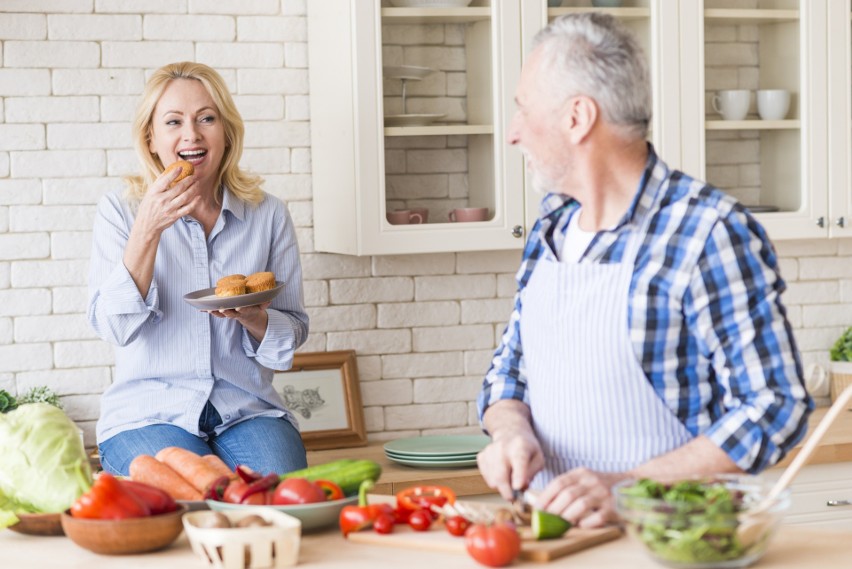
(835, 447)
(794, 547)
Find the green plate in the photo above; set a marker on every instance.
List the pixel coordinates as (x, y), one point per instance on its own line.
(443, 457)
(438, 445)
(313, 516)
(435, 463)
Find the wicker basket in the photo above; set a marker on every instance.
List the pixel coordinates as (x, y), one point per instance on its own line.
(841, 377)
(246, 548)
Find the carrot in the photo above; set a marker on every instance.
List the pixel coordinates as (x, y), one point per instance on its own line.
(149, 470)
(218, 465)
(189, 465)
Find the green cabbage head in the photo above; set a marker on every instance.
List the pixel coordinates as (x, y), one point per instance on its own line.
(44, 467)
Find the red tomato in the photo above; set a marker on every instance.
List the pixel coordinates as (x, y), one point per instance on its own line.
(257, 499)
(495, 546)
(420, 520)
(383, 523)
(457, 525)
(297, 491)
(234, 490)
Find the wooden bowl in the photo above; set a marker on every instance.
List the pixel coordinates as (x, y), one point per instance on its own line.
(118, 537)
(38, 524)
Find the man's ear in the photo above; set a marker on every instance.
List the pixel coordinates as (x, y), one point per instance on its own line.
(581, 114)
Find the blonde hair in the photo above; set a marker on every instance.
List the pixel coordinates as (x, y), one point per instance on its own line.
(244, 186)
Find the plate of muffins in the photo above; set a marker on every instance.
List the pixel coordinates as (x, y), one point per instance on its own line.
(236, 291)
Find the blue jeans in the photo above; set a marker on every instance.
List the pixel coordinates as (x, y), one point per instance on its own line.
(264, 444)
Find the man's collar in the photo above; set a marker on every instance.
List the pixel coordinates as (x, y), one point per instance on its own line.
(553, 203)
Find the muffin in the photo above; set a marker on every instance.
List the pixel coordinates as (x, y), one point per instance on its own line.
(257, 282)
(186, 170)
(232, 285)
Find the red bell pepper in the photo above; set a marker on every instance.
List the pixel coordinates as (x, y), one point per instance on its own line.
(332, 490)
(158, 501)
(107, 499)
(355, 518)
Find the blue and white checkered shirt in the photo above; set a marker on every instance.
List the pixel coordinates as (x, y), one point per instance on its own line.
(705, 315)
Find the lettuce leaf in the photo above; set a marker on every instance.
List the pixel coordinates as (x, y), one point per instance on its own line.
(44, 467)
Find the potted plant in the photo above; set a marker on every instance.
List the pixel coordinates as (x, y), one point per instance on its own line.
(841, 363)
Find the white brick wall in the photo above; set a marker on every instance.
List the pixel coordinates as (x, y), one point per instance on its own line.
(424, 326)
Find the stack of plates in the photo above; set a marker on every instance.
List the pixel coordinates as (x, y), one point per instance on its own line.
(438, 451)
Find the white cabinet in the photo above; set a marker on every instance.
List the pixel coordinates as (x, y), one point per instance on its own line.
(389, 135)
(821, 495)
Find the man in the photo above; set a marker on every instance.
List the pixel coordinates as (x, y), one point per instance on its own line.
(648, 338)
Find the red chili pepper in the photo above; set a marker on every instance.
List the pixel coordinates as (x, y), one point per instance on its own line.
(355, 518)
(158, 501)
(109, 500)
(258, 486)
(246, 474)
(216, 491)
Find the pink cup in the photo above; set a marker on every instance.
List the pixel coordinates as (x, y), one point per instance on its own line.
(422, 211)
(463, 214)
(404, 217)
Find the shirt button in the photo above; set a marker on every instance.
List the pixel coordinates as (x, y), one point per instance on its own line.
(227, 416)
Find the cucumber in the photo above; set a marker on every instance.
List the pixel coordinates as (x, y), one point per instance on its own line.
(346, 473)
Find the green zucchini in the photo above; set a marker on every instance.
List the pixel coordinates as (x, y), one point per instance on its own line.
(346, 473)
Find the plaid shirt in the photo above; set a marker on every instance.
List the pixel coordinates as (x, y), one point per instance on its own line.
(705, 315)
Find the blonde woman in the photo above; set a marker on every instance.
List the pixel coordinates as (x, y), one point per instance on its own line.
(186, 378)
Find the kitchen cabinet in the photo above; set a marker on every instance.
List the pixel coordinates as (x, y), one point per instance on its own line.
(821, 495)
(385, 139)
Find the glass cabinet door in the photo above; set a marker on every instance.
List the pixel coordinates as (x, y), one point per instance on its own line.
(762, 124)
(425, 86)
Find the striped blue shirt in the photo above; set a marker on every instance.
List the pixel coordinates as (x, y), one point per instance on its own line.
(705, 315)
(171, 358)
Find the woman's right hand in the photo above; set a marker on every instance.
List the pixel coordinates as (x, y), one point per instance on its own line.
(162, 205)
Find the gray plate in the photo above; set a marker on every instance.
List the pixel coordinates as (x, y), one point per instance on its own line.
(206, 299)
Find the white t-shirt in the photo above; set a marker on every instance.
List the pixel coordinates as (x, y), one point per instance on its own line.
(576, 240)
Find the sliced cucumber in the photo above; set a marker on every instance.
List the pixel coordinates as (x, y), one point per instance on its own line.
(548, 526)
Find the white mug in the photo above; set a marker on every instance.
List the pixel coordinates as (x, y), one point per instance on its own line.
(773, 104)
(732, 104)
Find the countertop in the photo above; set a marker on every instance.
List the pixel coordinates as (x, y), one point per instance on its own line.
(835, 447)
(793, 547)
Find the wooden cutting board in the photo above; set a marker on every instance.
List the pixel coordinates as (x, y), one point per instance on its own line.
(438, 539)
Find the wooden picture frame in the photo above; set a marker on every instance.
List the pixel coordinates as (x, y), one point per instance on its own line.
(323, 393)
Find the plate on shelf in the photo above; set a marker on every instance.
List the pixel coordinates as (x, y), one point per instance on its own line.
(422, 119)
(761, 208)
(406, 72)
(438, 445)
(206, 299)
(466, 463)
(430, 3)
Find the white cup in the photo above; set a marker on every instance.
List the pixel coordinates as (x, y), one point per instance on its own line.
(732, 104)
(773, 104)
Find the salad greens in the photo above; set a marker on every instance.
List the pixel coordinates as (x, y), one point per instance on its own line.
(44, 466)
(686, 522)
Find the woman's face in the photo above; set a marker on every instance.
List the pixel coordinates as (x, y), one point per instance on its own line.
(186, 126)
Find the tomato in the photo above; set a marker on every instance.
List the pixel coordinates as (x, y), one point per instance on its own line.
(297, 491)
(332, 490)
(234, 491)
(457, 525)
(258, 499)
(495, 546)
(383, 523)
(420, 497)
(420, 520)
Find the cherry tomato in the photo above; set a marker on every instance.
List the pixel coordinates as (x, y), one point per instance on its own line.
(457, 525)
(423, 497)
(420, 520)
(297, 491)
(383, 523)
(495, 546)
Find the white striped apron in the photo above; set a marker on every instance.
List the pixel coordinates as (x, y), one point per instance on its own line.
(591, 403)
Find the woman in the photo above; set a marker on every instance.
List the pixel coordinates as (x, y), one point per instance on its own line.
(197, 380)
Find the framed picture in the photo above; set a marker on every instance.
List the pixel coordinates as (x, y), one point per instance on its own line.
(323, 393)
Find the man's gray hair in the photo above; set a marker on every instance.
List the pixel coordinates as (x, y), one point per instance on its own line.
(592, 54)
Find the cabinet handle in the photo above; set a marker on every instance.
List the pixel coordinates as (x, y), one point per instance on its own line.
(839, 503)
(841, 222)
(518, 231)
(820, 221)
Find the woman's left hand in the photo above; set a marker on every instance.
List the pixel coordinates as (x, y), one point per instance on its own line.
(253, 318)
